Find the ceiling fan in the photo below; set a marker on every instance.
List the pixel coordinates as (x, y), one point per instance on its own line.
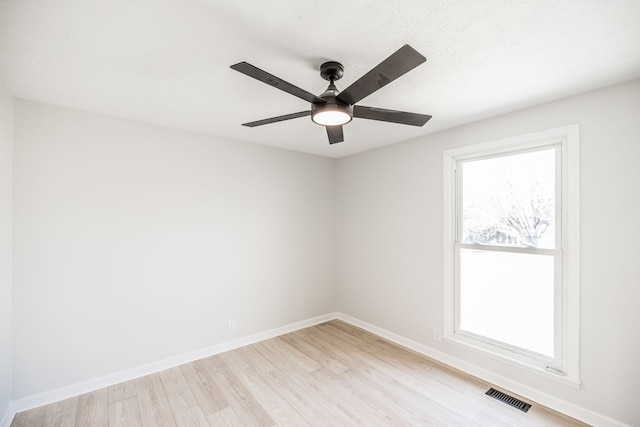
(333, 108)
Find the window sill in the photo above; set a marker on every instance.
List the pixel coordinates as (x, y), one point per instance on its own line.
(499, 356)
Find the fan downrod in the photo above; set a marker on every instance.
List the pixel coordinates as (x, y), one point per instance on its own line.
(331, 71)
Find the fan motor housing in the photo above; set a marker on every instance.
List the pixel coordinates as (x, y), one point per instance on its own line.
(332, 104)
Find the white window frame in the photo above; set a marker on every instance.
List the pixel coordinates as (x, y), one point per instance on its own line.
(564, 367)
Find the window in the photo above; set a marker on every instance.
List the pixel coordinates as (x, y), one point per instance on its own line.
(511, 250)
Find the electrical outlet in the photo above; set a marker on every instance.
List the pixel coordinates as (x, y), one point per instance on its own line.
(437, 334)
(231, 326)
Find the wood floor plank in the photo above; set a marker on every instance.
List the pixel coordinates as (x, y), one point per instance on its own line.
(314, 353)
(152, 401)
(385, 387)
(234, 360)
(366, 408)
(208, 394)
(62, 405)
(63, 418)
(420, 393)
(466, 399)
(277, 407)
(353, 330)
(292, 353)
(93, 409)
(121, 391)
(225, 417)
(184, 406)
(125, 413)
(377, 391)
(29, 418)
(331, 374)
(394, 403)
(320, 332)
(312, 407)
(256, 360)
(330, 350)
(272, 351)
(338, 333)
(484, 419)
(297, 376)
(240, 399)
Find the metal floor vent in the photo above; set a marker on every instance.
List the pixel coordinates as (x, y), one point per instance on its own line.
(516, 403)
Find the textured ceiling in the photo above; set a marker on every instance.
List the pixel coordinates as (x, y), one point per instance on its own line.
(167, 61)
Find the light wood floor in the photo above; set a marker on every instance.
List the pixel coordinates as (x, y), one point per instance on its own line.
(332, 374)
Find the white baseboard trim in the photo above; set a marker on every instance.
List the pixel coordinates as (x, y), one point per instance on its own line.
(6, 419)
(45, 398)
(578, 412)
(567, 408)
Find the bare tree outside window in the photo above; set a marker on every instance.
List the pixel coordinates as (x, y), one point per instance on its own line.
(526, 219)
(507, 204)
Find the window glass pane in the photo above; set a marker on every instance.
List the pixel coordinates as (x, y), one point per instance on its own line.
(508, 297)
(510, 200)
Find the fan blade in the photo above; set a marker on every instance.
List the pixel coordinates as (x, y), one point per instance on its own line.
(277, 119)
(278, 83)
(335, 134)
(392, 116)
(402, 61)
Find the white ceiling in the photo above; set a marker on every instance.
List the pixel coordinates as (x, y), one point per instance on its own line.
(167, 61)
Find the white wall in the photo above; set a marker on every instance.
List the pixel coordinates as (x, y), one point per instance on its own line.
(389, 248)
(134, 243)
(6, 144)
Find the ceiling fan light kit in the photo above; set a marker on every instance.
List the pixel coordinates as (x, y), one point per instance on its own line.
(333, 108)
(327, 115)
